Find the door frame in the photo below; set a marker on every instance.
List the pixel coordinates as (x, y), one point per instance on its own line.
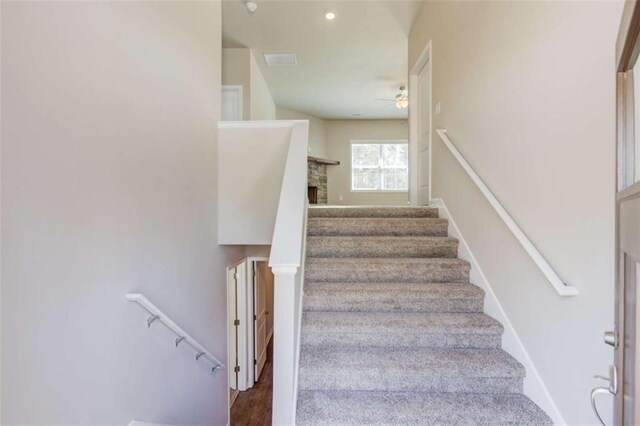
(251, 352)
(627, 51)
(246, 347)
(425, 59)
(239, 268)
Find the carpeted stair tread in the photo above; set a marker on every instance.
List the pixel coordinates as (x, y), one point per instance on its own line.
(356, 246)
(377, 226)
(330, 408)
(386, 322)
(393, 333)
(404, 369)
(387, 270)
(365, 211)
(380, 329)
(393, 297)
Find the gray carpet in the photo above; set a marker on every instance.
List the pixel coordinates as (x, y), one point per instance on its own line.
(393, 333)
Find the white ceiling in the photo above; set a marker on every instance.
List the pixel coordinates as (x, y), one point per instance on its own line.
(343, 65)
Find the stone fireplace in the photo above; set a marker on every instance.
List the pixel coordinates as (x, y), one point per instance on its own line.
(317, 179)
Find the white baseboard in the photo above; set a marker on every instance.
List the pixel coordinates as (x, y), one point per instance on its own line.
(534, 387)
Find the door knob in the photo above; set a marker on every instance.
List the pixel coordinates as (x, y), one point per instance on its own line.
(611, 338)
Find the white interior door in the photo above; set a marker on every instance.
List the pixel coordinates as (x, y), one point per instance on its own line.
(231, 103)
(232, 311)
(260, 308)
(424, 132)
(240, 340)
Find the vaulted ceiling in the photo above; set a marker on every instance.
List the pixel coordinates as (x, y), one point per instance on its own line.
(343, 65)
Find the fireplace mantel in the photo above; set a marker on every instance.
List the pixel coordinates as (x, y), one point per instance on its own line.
(323, 161)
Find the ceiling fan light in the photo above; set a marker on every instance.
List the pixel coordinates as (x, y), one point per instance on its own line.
(402, 99)
(402, 102)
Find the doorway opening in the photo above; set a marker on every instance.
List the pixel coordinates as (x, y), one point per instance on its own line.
(291, 69)
(250, 332)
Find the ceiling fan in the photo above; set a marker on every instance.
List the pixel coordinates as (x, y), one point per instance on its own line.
(401, 99)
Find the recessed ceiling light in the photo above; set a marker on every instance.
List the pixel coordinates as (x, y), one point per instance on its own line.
(280, 59)
(330, 15)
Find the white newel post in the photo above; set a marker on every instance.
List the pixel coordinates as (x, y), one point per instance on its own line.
(283, 345)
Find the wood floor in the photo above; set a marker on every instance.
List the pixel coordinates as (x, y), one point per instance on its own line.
(253, 407)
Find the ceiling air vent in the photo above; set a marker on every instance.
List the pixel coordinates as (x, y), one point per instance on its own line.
(280, 59)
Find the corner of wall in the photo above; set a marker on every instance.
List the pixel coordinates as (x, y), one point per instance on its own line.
(262, 105)
(534, 386)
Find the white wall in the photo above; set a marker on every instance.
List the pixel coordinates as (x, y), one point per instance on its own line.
(251, 163)
(528, 95)
(236, 72)
(109, 187)
(239, 67)
(262, 105)
(317, 130)
(339, 136)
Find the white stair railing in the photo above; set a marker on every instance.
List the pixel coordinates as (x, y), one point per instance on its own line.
(560, 286)
(182, 337)
(287, 263)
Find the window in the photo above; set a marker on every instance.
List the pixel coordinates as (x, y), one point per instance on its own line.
(379, 166)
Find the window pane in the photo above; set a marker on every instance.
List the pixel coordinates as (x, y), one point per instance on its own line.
(396, 179)
(364, 155)
(395, 155)
(366, 179)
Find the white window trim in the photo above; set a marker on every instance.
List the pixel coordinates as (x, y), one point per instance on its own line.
(376, 142)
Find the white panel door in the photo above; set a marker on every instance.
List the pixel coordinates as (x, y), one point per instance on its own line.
(260, 307)
(424, 132)
(232, 310)
(240, 340)
(231, 103)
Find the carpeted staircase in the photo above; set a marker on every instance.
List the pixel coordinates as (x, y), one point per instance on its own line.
(393, 333)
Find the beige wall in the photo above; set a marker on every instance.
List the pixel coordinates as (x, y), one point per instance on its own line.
(528, 95)
(236, 72)
(339, 136)
(251, 163)
(317, 130)
(239, 67)
(109, 187)
(262, 105)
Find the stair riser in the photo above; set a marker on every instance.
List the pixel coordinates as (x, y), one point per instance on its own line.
(440, 340)
(385, 303)
(363, 247)
(388, 274)
(371, 212)
(404, 381)
(364, 227)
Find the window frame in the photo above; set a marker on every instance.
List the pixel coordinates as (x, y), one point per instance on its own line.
(375, 142)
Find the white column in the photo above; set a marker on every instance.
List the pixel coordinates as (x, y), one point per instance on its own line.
(283, 345)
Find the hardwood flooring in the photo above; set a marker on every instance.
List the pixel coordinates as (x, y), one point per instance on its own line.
(253, 407)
